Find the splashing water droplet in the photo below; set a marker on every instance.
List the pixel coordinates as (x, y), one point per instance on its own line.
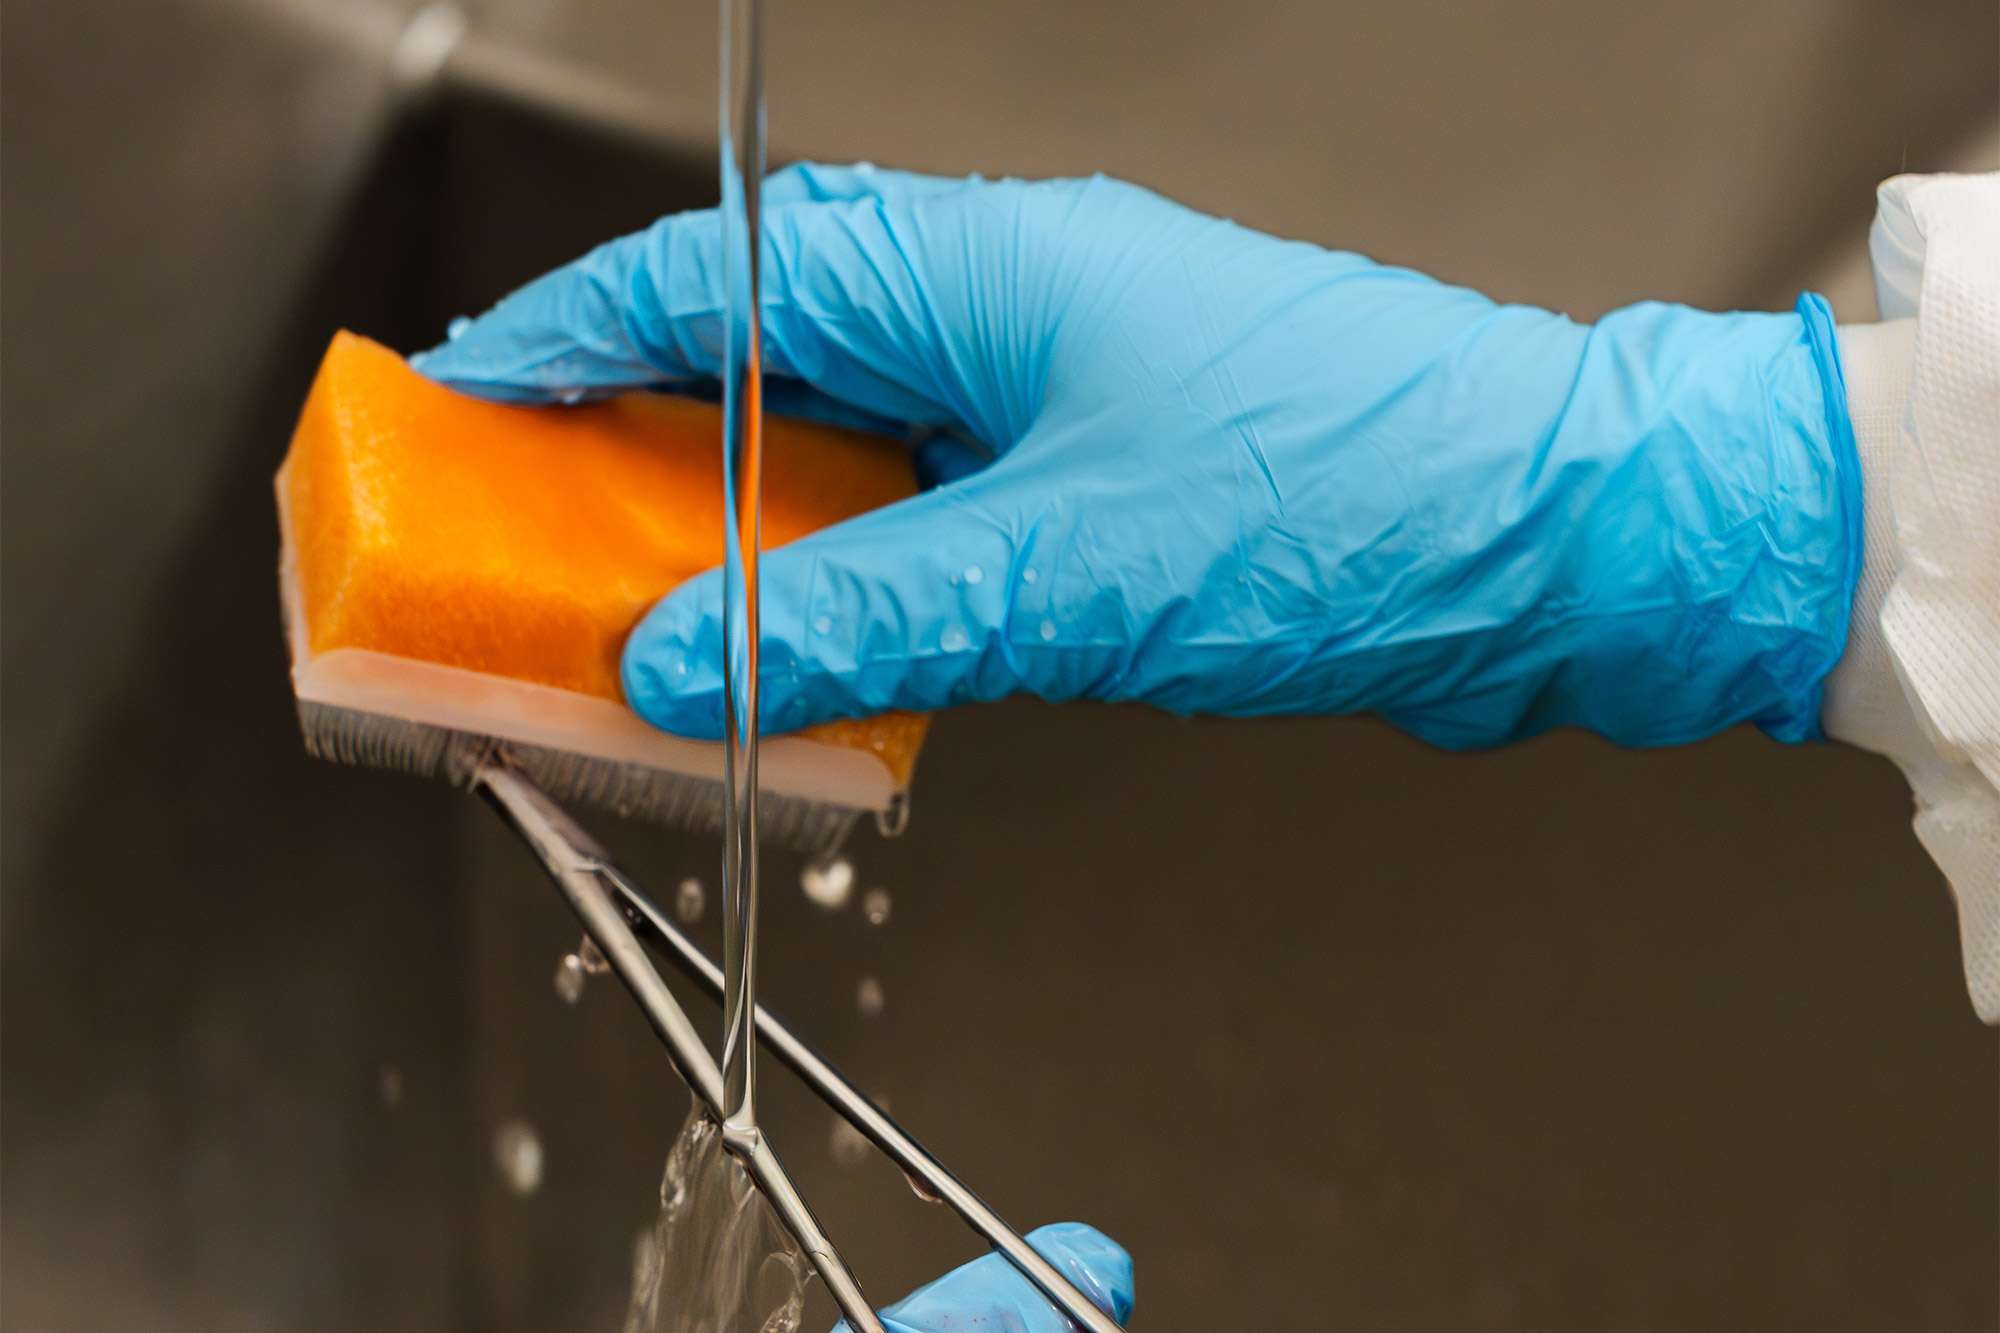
(780, 1287)
(875, 906)
(690, 901)
(828, 881)
(894, 821)
(570, 977)
(847, 1145)
(868, 997)
(592, 957)
(953, 640)
(1048, 630)
(456, 329)
(823, 625)
(1031, 575)
(389, 1083)
(974, 575)
(517, 1154)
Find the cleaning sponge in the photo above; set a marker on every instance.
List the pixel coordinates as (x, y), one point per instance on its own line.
(475, 566)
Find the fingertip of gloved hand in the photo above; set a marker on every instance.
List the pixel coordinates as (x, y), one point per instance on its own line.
(1097, 1264)
(561, 338)
(487, 365)
(443, 364)
(989, 1292)
(904, 607)
(671, 667)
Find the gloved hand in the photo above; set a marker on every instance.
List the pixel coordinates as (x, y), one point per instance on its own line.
(1233, 474)
(990, 1293)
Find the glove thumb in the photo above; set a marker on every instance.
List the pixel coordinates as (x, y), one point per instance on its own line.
(907, 607)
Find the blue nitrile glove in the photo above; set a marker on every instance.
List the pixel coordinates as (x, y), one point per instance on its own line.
(1233, 474)
(990, 1294)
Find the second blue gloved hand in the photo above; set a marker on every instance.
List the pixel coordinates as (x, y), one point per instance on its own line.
(1232, 474)
(989, 1294)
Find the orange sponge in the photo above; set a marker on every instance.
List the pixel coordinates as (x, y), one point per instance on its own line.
(476, 566)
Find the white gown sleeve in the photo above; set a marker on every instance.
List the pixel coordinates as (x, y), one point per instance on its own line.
(1920, 681)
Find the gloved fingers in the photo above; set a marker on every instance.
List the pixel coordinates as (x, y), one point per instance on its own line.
(989, 1292)
(851, 306)
(912, 606)
(823, 182)
(561, 338)
(524, 383)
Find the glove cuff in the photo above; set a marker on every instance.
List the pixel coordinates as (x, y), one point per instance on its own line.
(1865, 702)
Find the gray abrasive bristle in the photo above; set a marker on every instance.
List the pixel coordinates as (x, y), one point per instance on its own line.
(347, 736)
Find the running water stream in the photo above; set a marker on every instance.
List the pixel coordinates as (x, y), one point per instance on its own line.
(742, 174)
(718, 1260)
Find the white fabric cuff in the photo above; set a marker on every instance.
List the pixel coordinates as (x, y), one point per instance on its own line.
(1920, 681)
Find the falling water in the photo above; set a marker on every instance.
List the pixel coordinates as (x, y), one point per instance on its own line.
(742, 169)
(716, 1260)
(690, 901)
(517, 1156)
(828, 881)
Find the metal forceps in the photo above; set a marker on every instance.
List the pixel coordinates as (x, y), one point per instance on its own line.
(617, 914)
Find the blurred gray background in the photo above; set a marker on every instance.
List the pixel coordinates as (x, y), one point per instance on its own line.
(1331, 1030)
